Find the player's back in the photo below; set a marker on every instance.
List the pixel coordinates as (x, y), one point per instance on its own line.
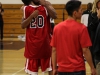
(37, 33)
(68, 39)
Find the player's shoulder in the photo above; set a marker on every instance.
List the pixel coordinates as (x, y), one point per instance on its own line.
(81, 27)
(57, 26)
(80, 24)
(30, 8)
(22, 7)
(35, 6)
(60, 23)
(41, 8)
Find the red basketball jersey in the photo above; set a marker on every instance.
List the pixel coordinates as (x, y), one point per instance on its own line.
(37, 34)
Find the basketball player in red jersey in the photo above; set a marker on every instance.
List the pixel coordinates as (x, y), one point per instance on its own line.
(37, 46)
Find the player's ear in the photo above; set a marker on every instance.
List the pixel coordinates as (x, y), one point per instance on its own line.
(74, 13)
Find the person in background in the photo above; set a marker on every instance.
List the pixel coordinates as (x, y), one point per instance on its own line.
(93, 22)
(70, 41)
(85, 15)
(94, 27)
(85, 19)
(1, 22)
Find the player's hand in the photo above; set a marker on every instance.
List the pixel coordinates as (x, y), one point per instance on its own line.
(0, 10)
(35, 13)
(93, 71)
(55, 72)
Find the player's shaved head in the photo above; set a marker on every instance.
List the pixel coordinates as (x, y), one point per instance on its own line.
(36, 2)
(26, 2)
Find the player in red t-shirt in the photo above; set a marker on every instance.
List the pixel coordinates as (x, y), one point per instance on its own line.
(37, 45)
(70, 41)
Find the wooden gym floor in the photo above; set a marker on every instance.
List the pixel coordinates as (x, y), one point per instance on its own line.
(12, 57)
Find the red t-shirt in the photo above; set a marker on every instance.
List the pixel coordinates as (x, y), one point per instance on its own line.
(69, 37)
(37, 34)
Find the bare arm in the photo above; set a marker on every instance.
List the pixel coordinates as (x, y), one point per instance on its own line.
(88, 57)
(1, 12)
(22, 7)
(54, 60)
(26, 22)
(51, 11)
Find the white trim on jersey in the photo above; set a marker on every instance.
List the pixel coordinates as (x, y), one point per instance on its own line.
(46, 11)
(36, 73)
(34, 6)
(49, 68)
(24, 12)
(32, 73)
(27, 70)
(38, 6)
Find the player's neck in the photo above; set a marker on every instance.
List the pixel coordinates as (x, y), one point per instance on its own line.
(71, 18)
(33, 4)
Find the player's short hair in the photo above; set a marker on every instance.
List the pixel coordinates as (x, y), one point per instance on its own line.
(26, 2)
(72, 6)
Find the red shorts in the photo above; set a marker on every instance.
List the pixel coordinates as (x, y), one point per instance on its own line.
(32, 65)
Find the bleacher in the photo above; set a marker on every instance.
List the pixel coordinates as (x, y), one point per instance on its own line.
(13, 16)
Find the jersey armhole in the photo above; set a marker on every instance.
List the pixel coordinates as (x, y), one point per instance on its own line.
(46, 11)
